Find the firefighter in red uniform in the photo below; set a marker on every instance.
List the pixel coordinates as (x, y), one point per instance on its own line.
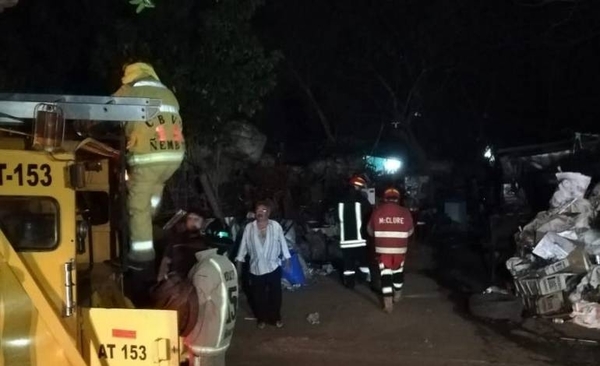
(391, 225)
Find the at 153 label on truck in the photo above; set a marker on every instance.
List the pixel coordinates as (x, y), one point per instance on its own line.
(31, 175)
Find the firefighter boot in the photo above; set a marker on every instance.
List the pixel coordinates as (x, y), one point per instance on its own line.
(388, 304)
(397, 296)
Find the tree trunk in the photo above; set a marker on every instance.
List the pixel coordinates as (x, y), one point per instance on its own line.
(210, 195)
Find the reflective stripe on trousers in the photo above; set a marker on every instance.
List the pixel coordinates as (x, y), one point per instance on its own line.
(353, 244)
(141, 246)
(398, 277)
(387, 291)
(391, 280)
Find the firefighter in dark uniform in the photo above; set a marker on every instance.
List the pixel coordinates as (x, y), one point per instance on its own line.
(353, 211)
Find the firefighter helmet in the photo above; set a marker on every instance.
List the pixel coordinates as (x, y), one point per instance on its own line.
(358, 182)
(391, 194)
(138, 70)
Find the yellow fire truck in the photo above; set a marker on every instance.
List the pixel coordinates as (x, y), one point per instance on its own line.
(61, 227)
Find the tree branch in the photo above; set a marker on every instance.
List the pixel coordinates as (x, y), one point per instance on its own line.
(313, 101)
(390, 90)
(407, 101)
(409, 97)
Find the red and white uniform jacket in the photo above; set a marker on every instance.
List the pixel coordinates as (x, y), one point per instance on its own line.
(392, 225)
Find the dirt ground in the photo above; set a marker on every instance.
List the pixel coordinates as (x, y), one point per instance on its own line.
(426, 328)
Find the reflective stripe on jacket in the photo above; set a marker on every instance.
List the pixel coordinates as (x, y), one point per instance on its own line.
(159, 140)
(392, 225)
(350, 216)
(215, 279)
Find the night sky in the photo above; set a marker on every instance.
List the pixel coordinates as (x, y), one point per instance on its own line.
(473, 72)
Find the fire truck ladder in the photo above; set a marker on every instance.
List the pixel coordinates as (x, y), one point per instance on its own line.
(16, 107)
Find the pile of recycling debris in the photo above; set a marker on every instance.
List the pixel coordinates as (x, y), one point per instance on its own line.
(556, 271)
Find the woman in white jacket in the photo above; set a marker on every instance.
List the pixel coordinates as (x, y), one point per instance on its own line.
(264, 242)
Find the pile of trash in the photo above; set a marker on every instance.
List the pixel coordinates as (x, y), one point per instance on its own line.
(557, 268)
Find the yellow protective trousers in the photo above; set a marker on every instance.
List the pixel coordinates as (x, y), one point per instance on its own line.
(145, 187)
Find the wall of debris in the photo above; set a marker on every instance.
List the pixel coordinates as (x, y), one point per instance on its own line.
(236, 169)
(557, 265)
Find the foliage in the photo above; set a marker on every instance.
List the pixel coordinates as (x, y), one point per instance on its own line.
(141, 5)
(447, 71)
(205, 51)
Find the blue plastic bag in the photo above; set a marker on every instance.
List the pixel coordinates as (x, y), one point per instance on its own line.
(295, 274)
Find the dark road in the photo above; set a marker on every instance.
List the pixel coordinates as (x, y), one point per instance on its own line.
(426, 328)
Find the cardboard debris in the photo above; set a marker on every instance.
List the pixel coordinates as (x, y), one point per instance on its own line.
(517, 266)
(551, 304)
(562, 237)
(586, 314)
(571, 186)
(553, 246)
(535, 286)
(591, 280)
(576, 262)
(554, 224)
(591, 239)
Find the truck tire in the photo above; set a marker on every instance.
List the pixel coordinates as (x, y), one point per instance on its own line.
(496, 306)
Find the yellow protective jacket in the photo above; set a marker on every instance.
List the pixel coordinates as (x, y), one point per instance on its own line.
(159, 140)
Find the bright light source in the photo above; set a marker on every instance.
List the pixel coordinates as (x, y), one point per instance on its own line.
(488, 153)
(383, 165)
(19, 342)
(392, 165)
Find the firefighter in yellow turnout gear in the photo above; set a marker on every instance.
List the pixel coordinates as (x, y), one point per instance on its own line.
(155, 150)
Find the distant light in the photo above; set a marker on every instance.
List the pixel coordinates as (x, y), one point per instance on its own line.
(488, 153)
(392, 165)
(19, 342)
